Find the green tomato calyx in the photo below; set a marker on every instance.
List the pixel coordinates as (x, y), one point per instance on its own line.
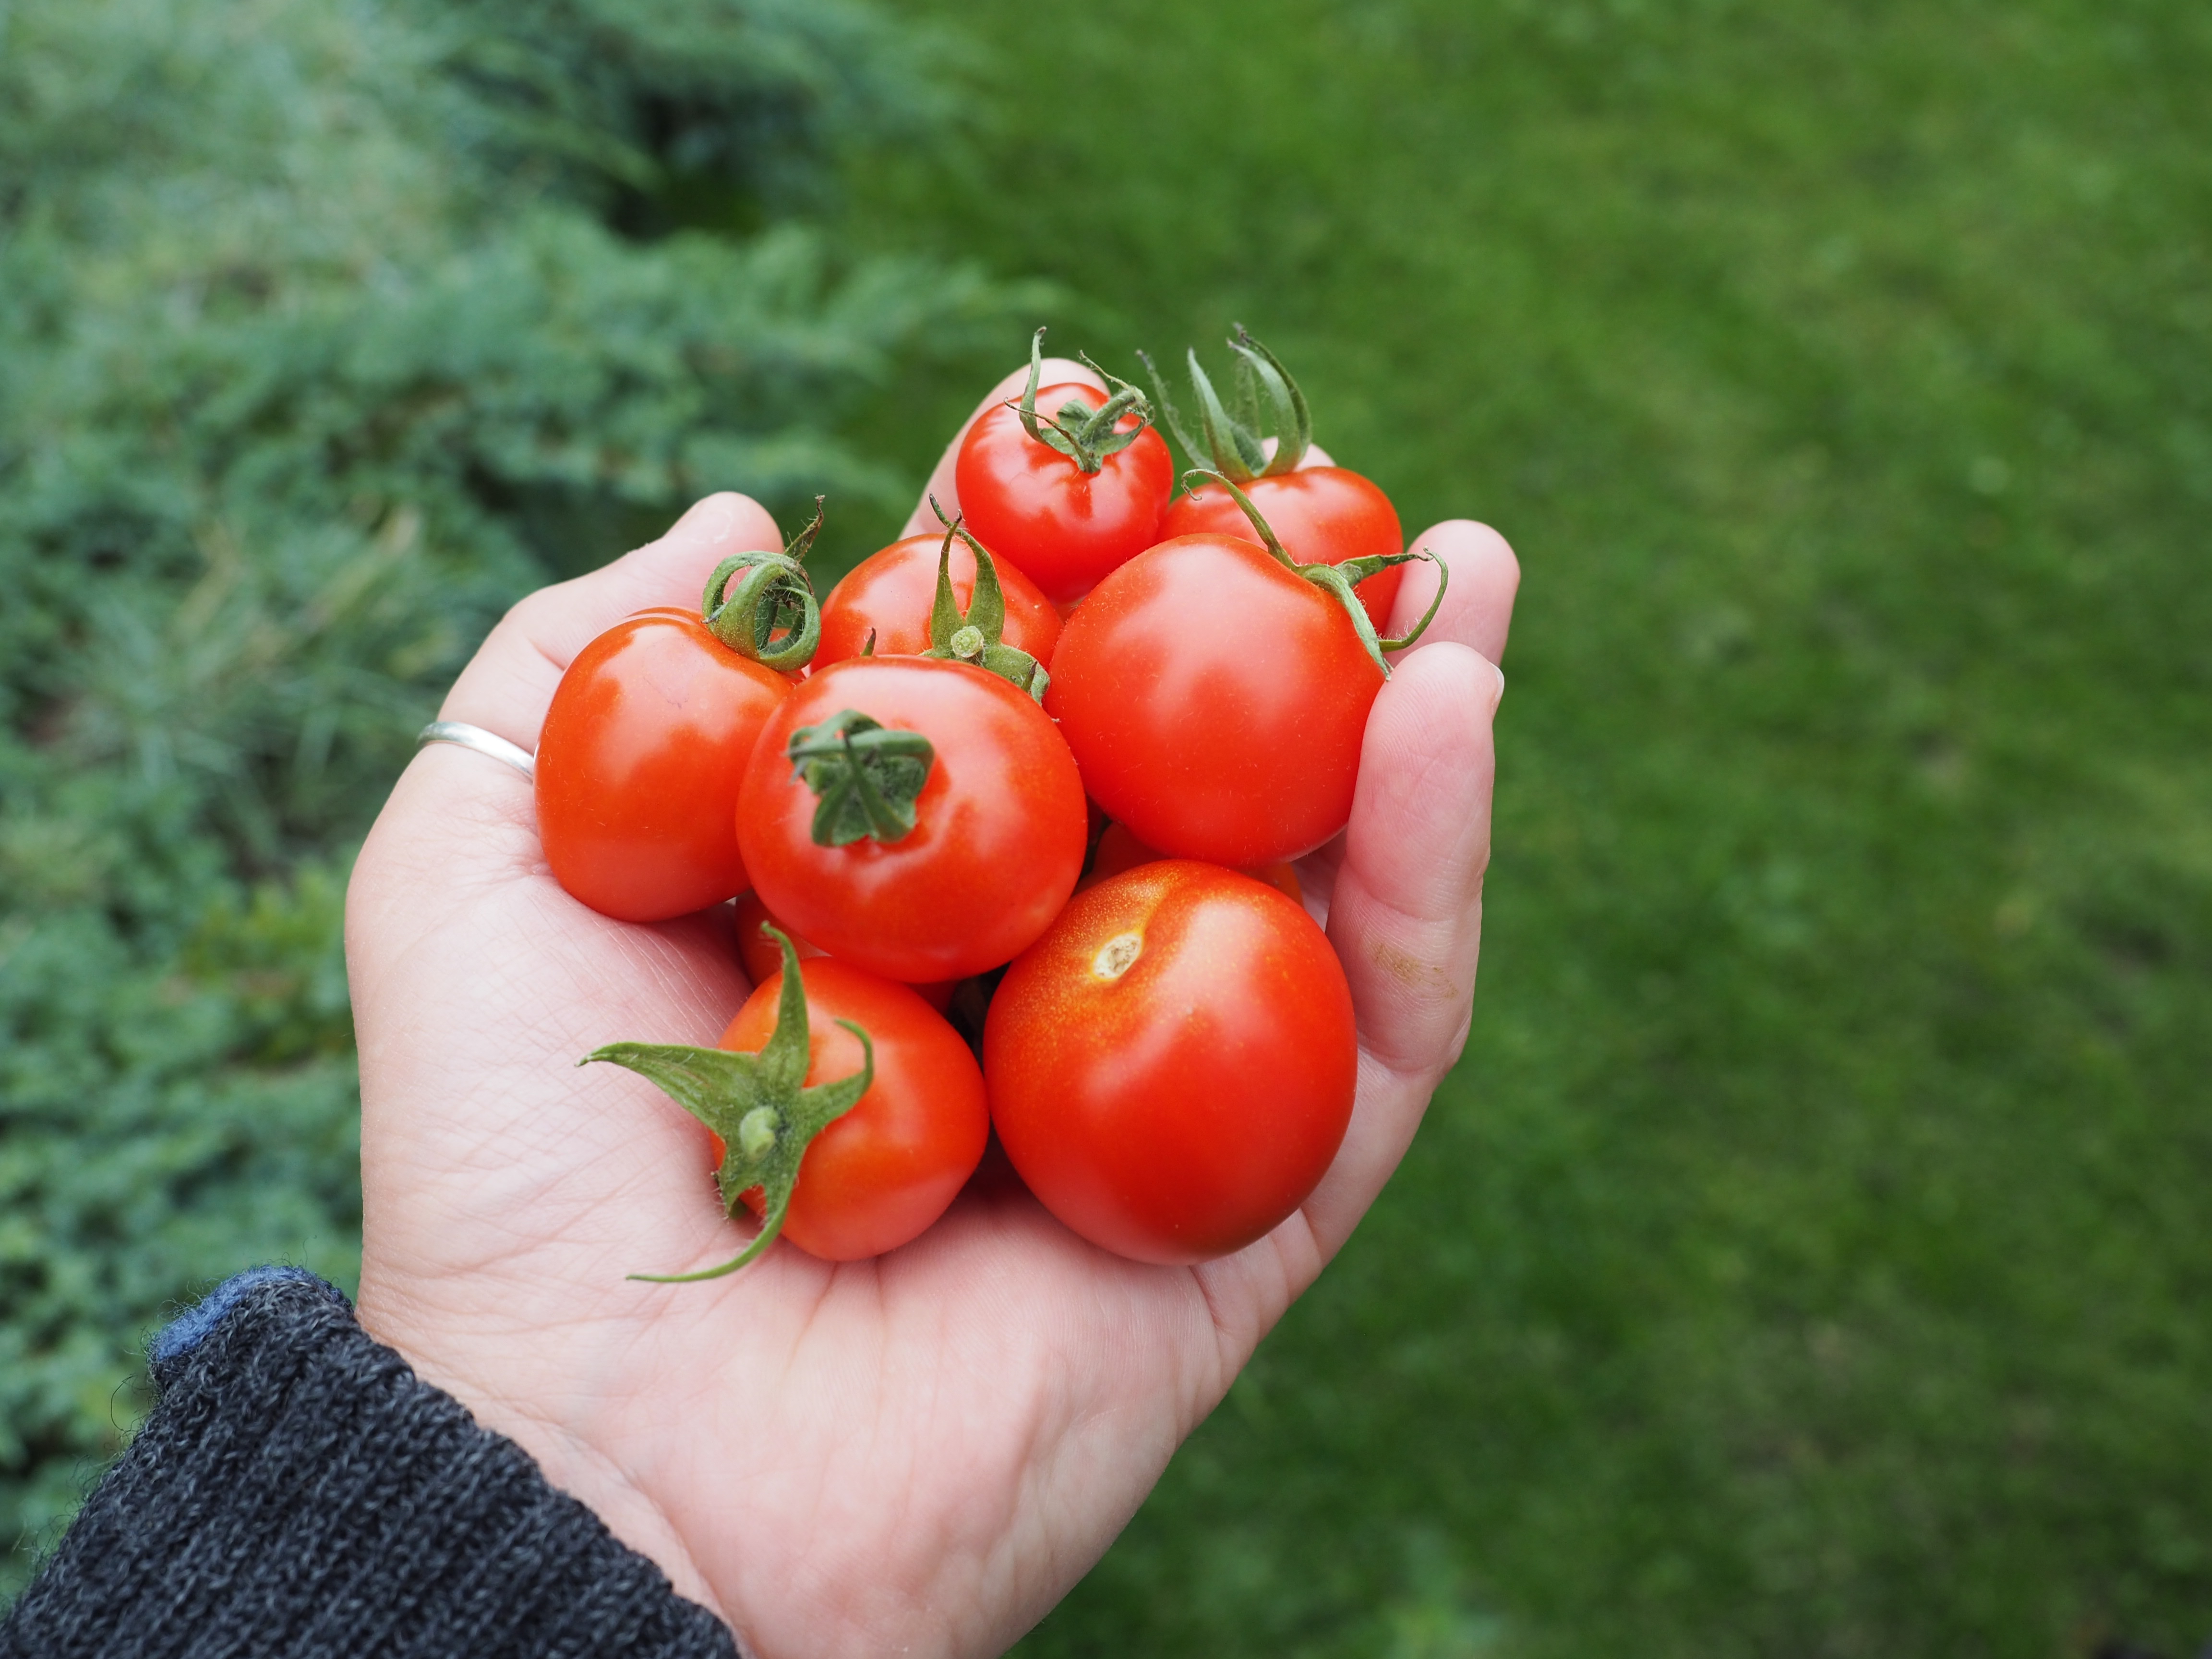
(1232, 438)
(1339, 579)
(976, 635)
(757, 1130)
(762, 605)
(1085, 435)
(757, 1104)
(865, 777)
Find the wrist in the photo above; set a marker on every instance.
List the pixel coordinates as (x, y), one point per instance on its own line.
(515, 1379)
(298, 1486)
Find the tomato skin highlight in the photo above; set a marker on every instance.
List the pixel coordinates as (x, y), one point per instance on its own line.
(1215, 702)
(877, 1177)
(639, 763)
(1181, 1108)
(998, 836)
(1321, 515)
(1034, 507)
(891, 592)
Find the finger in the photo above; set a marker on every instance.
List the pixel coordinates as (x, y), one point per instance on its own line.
(508, 683)
(1058, 371)
(459, 826)
(1315, 455)
(1405, 920)
(458, 823)
(1477, 607)
(1406, 909)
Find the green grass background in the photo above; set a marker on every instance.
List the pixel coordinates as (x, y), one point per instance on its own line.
(1810, 1256)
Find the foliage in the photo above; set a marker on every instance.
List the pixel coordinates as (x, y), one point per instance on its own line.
(1809, 1258)
(327, 328)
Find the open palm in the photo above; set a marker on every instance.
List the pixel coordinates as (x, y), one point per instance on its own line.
(916, 1454)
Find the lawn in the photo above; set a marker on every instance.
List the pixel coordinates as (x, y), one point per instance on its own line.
(1810, 1257)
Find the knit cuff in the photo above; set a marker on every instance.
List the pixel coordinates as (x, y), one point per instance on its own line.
(297, 1491)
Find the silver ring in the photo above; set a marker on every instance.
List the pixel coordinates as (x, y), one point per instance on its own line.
(484, 742)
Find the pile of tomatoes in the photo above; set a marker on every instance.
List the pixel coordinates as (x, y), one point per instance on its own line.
(1008, 818)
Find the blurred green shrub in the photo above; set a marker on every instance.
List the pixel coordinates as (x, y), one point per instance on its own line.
(328, 327)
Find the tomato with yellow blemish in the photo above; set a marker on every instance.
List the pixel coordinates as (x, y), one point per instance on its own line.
(1171, 1065)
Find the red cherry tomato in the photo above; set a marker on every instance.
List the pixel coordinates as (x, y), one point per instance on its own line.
(762, 961)
(1118, 850)
(879, 1175)
(1322, 515)
(891, 592)
(1215, 702)
(1034, 508)
(1172, 1066)
(639, 763)
(998, 836)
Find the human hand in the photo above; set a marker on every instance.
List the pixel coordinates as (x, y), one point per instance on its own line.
(919, 1452)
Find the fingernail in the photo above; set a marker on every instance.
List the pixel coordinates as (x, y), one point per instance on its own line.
(723, 520)
(713, 518)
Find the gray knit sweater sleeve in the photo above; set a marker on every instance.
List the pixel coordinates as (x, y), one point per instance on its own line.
(297, 1491)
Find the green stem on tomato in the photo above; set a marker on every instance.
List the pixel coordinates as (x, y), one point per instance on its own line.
(976, 637)
(762, 605)
(865, 776)
(757, 1104)
(1339, 579)
(1085, 435)
(1234, 442)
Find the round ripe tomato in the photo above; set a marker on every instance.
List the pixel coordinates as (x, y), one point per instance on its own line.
(639, 763)
(1172, 1066)
(1118, 850)
(1322, 514)
(1215, 702)
(997, 828)
(879, 1175)
(762, 960)
(1036, 509)
(890, 594)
